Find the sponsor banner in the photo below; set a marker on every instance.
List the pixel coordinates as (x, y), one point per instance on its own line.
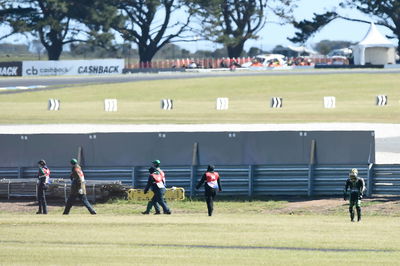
(11, 69)
(72, 67)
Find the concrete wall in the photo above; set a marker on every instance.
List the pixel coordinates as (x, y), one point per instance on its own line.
(176, 148)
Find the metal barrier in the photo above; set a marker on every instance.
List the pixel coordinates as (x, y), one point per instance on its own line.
(237, 180)
(330, 179)
(386, 179)
(280, 180)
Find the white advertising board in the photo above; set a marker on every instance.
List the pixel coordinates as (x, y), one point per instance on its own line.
(72, 67)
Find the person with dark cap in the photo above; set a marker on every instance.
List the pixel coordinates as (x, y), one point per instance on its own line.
(43, 181)
(78, 188)
(212, 184)
(153, 202)
(356, 186)
(156, 183)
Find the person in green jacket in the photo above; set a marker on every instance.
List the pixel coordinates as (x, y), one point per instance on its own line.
(78, 188)
(355, 186)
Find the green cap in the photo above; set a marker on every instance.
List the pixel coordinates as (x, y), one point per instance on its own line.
(74, 161)
(156, 162)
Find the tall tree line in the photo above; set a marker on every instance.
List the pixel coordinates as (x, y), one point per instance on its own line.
(382, 12)
(152, 24)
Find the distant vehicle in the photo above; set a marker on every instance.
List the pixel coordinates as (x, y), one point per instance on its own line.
(267, 60)
(339, 60)
(346, 52)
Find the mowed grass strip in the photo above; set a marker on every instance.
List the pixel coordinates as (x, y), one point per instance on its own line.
(126, 237)
(195, 100)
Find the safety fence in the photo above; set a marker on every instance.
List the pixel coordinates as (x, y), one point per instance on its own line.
(224, 62)
(238, 180)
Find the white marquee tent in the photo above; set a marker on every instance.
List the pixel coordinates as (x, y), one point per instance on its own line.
(374, 49)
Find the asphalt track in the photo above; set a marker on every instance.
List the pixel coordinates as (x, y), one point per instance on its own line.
(54, 243)
(65, 81)
(269, 248)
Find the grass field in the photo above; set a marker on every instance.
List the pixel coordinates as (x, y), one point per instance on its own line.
(240, 233)
(194, 101)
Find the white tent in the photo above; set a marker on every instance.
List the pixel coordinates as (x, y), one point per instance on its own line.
(374, 49)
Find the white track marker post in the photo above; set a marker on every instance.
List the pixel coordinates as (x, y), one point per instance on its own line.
(222, 104)
(329, 102)
(167, 104)
(276, 102)
(381, 100)
(110, 105)
(53, 105)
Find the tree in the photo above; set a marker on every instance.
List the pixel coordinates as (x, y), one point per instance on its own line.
(233, 22)
(58, 22)
(286, 51)
(325, 46)
(385, 12)
(253, 51)
(149, 24)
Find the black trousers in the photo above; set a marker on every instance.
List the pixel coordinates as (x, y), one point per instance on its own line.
(82, 198)
(41, 196)
(210, 194)
(159, 198)
(151, 203)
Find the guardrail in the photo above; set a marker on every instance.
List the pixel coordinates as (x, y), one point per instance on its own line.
(237, 180)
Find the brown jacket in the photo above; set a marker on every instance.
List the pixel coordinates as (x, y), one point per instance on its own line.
(78, 180)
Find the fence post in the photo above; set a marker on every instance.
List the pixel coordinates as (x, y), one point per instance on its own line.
(193, 179)
(8, 189)
(80, 158)
(370, 179)
(311, 169)
(133, 176)
(251, 180)
(195, 154)
(94, 193)
(65, 192)
(20, 172)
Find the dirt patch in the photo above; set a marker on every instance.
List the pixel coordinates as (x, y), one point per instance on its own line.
(303, 206)
(24, 206)
(387, 206)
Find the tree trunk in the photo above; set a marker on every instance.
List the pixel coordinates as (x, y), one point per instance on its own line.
(54, 44)
(54, 51)
(235, 51)
(146, 54)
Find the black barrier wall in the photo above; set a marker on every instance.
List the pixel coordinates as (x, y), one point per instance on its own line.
(186, 148)
(10, 69)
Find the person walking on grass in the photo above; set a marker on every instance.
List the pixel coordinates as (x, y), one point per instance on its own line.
(78, 188)
(212, 184)
(156, 183)
(356, 186)
(42, 185)
(153, 202)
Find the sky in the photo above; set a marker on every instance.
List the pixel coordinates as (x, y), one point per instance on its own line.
(274, 34)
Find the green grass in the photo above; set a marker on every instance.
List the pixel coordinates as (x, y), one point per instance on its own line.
(119, 235)
(194, 101)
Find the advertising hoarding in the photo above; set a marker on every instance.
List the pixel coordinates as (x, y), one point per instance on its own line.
(73, 67)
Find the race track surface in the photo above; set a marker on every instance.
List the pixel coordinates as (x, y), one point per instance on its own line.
(64, 81)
